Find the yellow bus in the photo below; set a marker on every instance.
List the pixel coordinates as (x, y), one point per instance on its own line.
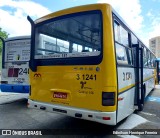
(88, 64)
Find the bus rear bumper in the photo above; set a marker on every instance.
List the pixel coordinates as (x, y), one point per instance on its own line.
(15, 88)
(108, 118)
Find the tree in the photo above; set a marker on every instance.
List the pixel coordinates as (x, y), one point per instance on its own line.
(4, 35)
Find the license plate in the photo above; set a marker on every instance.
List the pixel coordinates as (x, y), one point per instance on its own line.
(61, 95)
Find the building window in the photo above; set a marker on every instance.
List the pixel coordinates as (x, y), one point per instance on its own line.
(153, 42)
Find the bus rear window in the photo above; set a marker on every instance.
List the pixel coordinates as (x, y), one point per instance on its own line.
(77, 35)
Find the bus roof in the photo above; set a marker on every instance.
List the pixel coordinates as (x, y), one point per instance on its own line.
(81, 8)
(18, 37)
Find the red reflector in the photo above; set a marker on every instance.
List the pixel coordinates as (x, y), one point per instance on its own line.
(106, 118)
(120, 98)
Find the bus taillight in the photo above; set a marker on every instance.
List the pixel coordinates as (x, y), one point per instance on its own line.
(108, 98)
(106, 118)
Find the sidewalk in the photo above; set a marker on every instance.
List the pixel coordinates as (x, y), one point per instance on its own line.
(6, 97)
(157, 86)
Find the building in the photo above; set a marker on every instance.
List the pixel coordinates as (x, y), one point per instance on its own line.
(154, 45)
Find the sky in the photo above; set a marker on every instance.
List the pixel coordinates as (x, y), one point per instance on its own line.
(142, 16)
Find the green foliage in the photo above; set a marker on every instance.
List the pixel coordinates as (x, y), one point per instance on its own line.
(4, 35)
(0, 62)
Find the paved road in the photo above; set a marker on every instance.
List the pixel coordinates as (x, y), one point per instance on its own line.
(152, 110)
(15, 115)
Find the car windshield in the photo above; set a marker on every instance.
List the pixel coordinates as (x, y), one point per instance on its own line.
(75, 35)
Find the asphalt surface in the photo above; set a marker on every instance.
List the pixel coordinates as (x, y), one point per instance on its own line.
(14, 114)
(151, 111)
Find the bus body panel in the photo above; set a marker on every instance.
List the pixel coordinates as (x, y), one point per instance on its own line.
(15, 73)
(82, 84)
(126, 92)
(125, 104)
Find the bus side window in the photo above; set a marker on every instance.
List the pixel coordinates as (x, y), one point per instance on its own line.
(145, 60)
(117, 31)
(124, 37)
(123, 50)
(129, 53)
(149, 59)
(134, 43)
(121, 54)
(152, 61)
